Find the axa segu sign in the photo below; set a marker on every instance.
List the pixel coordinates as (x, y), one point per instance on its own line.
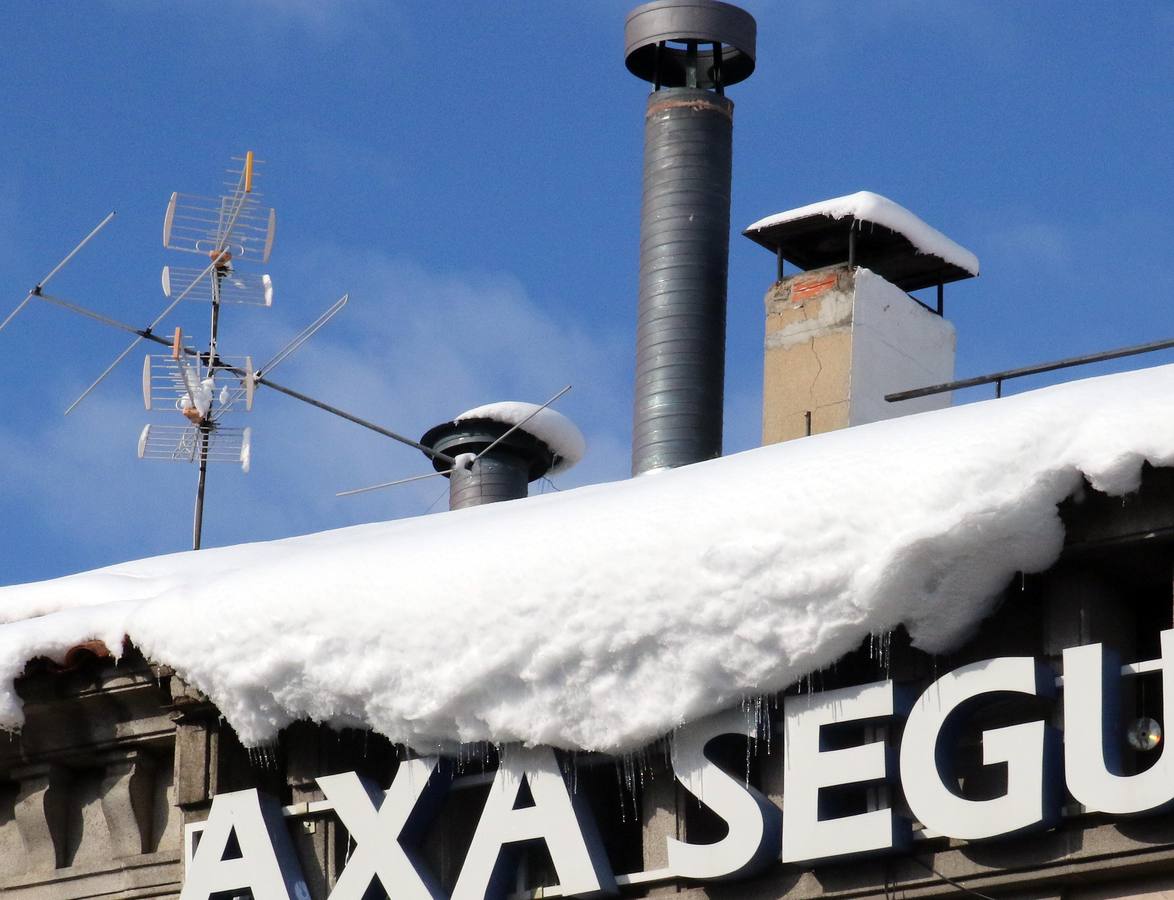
(1041, 769)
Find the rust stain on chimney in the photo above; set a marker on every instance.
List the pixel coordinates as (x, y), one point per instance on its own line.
(697, 105)
(804, 288)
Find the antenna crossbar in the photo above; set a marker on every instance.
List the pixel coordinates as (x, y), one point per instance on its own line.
(142, 335)
(96, 316)
(343, 414)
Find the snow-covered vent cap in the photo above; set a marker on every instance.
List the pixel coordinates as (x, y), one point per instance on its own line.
(564, 440)
(888, 239)
(500, 448)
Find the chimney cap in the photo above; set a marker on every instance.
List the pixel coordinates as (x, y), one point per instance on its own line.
(681, 21)
(890, 240)
(549, 441)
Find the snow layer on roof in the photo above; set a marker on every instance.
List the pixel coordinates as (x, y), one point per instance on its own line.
(603, 617)
(866, 206)
(552, 428)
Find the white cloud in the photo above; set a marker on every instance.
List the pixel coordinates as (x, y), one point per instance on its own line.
(1046, 244)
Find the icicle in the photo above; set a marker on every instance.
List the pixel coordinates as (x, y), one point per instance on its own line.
(764, 723)
(616, 765)
(749, 745)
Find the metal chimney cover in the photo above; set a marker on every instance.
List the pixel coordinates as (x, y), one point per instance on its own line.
(651, 25)
(501, 474)
(474, 435)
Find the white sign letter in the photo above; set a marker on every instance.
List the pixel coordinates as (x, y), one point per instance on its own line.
(380, 823)
(1092, 739)
(1029, 749)
(266, 866)
(808, 768)
(556, 817)
(753, 837)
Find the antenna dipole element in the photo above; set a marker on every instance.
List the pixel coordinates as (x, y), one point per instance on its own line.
(36, 291)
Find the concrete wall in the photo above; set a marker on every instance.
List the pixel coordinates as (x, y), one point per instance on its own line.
(897, 344)
(838, 340)
(807, 354)
(87, 789)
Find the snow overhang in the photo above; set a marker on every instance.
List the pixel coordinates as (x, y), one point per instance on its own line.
(604, 617)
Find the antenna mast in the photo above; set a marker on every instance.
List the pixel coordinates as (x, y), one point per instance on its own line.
(232, 228)
(229, 228)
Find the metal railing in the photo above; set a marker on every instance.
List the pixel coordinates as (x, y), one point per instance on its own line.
(997, 378)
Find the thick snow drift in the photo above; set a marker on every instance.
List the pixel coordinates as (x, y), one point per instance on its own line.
(554, 429)
(603, 617)
(869, 207)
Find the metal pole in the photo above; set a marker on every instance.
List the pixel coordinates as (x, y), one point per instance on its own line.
(198, 521)
(343, 414)
(1008, 374)
(215, 323)
(205, 429)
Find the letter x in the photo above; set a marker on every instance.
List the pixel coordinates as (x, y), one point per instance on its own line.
(379, 823)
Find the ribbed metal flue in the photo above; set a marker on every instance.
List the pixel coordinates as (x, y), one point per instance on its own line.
(492, 478)
(684, 254)
(690, 50)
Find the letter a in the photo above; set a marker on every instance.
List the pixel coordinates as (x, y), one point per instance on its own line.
(267, 865)
(555, 817)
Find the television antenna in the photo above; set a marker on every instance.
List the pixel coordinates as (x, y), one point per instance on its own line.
(202, 386)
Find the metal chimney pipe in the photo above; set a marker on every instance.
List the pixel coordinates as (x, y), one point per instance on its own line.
(504, 473)
(690, 50)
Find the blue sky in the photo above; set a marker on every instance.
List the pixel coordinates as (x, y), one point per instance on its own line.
(470, 173)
